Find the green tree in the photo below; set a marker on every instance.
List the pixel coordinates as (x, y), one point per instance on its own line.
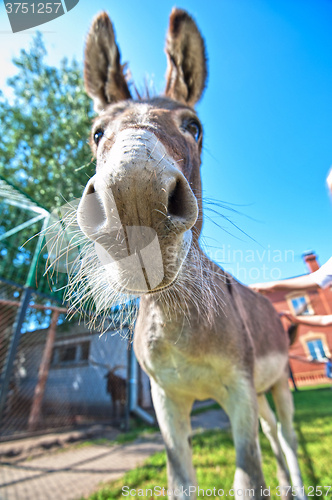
(44, 150)
(44, 131)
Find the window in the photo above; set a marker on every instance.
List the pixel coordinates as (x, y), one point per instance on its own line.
(67, 354)
(316, 349)
(85, 351)
(70, 354)
(299, 305)
(315, 345)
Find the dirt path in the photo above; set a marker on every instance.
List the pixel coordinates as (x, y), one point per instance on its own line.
(72, 473)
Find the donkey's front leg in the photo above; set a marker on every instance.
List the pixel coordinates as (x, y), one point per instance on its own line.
(241, 406)
(173, 414)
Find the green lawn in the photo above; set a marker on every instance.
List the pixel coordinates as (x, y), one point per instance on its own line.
(214, 455)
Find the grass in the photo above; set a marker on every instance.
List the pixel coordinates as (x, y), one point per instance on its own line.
(214, 455)
(203, 409)
(137, 429)
(140, 431)
(318, 386)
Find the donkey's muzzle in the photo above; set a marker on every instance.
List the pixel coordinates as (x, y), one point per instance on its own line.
(139, 209)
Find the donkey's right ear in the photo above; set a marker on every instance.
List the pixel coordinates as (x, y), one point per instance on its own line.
(185, 50)
(103, 74)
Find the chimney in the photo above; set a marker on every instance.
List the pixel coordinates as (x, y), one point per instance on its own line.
(310, 259)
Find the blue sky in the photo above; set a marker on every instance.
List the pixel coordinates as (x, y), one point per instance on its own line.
(267, 115)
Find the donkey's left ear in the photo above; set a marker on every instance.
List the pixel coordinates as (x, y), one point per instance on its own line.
(103, 73)
(185, 50)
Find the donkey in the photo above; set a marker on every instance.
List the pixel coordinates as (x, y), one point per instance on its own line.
(199, 333)
(116, 387)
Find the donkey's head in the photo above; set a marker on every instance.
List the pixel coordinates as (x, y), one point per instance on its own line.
(142, 208)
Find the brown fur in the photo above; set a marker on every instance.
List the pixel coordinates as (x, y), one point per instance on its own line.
(185, 50)
(162, 114)
(103, 64)
(117, 388)
(148, 163)
(292, 332)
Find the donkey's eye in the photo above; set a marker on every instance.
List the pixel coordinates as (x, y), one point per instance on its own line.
(98, 135)
(194, 128)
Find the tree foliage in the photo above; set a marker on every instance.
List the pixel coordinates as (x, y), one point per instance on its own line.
(44, 131)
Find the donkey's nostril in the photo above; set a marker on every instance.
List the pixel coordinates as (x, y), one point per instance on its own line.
(90, 189)
(181, 203)
(176, 201)
(91, 214)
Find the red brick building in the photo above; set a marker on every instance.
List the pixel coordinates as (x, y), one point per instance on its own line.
(312, 343)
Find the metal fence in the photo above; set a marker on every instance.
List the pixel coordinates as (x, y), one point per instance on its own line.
(57, 374)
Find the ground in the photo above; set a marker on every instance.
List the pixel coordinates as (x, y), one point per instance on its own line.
(79, 469)
(214, 455)
(69, 471)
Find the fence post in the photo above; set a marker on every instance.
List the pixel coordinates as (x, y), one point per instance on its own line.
(17, 327)
(292, 377)
(127, 414)
(43, 374)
